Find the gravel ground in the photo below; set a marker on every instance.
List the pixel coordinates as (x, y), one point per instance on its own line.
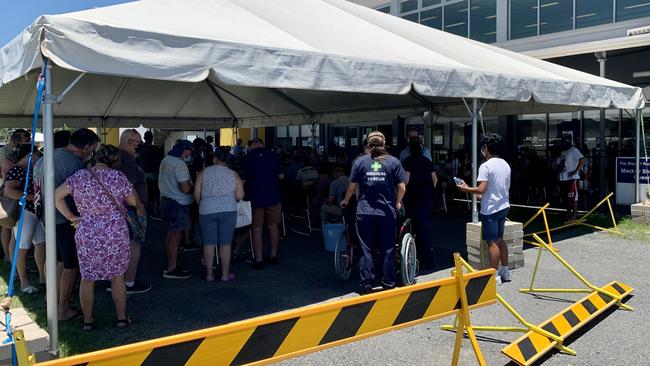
(616, 337)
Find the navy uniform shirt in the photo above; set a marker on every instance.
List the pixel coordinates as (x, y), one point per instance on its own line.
(260, 169)
(377, 179)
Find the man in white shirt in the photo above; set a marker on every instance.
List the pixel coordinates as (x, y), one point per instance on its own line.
(493, 189)
(569, 165)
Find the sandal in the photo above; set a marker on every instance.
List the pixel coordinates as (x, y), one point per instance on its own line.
(30, 290)
(209, 279)
(123, 323)
(88, 327)
(231, 276)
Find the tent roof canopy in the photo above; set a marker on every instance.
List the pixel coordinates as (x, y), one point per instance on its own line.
(275, 62)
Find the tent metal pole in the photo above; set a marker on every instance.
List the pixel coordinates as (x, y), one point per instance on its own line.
(602, 60)
(637, 163)
(474, 156)
(50, 223)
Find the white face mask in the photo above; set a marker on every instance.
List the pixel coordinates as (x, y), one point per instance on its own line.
(188, 159)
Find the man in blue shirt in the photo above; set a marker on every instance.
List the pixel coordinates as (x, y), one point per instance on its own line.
(381, 182)
(260, 170)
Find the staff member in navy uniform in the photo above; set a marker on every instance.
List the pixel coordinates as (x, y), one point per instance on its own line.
(381, 182)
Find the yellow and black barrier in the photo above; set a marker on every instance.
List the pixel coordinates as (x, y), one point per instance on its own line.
(531, 346)
(581, 221)
(296, 332)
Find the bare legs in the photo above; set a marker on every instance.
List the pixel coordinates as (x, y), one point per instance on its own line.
(132, 270)
(173, 241)
(87, 298)
(208, 258)
(498, 253)
(224, 253)
(274, 237)
(66, 285)
(39, 257)
(5, 236)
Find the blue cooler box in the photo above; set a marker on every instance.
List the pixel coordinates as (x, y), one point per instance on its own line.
(331, 235)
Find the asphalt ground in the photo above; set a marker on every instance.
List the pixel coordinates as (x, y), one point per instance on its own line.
(617, 337)
(306, 276)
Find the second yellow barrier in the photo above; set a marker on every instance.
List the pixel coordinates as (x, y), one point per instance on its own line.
(292, 333)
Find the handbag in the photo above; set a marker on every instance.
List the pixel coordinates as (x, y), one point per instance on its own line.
(244, 214)
(9, 210)
(136, 229)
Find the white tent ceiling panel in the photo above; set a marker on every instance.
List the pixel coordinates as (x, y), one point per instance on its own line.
(328, 56)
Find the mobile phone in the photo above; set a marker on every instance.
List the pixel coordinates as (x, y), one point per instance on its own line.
(458, 181)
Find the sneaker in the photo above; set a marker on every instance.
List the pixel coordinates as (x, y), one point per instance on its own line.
(138, 288)
(189, 247)
(504, 273)
(177, 273)
(498, 278)
(257, 265)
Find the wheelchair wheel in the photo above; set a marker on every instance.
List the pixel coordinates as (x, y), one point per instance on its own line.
(408, 260)
(343, 258)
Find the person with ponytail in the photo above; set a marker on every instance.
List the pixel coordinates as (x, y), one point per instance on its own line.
(380, 179)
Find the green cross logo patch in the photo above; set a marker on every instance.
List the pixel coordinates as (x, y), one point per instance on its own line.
(376, 166)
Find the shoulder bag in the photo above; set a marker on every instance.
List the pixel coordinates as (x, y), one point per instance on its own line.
(136, 230)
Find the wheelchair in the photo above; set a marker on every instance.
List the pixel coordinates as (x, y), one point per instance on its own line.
(347, 251)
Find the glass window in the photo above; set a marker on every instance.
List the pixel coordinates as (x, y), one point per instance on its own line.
(531, 133)
(555, 16)
(593, 12)
(426, 3)
(523, 18)
(432, 18)
(385, 9)
(456, 18)
(408, 5)
(483, 20)
(631, 9)
(412, 17)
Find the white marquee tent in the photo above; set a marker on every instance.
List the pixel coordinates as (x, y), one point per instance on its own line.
(209, 63)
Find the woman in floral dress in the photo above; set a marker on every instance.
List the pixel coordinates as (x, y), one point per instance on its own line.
(102, 236)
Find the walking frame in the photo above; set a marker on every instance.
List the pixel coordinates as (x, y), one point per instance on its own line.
(591, 288)
(460, 323)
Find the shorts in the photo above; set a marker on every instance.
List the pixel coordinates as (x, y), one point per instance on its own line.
(492, 226)
(175, 215)
(66, 248)
(32, 233)
(268, 216)
(569, 190)
(143, 223)
(218, 228)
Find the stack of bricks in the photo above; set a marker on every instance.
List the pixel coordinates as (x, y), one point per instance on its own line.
(641, 212)
(513, 235)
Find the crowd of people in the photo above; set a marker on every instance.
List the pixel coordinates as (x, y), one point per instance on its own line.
(106, 195)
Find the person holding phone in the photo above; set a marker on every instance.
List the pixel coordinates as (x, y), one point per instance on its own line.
(493, 187)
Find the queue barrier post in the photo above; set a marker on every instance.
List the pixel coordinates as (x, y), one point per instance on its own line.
(581, 278)
(296, 332)
(22, 355)
(547, 230)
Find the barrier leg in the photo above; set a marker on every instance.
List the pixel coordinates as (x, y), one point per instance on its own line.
(591, 287)
(22, 355)
(464, 323)
(527, 326)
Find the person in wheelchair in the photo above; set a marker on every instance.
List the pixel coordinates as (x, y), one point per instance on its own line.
(380, 179)
(331, 210)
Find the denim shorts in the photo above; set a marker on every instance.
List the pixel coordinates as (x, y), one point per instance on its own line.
(218, 228)
(175, 215)
(493, 225)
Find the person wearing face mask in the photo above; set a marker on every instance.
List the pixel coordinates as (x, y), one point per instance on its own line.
(569, 165)
(175, 185)
(69, 160)
(493, 187)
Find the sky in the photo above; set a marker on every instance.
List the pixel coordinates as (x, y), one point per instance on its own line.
(16, 15)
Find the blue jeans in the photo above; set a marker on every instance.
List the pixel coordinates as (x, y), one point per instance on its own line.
(377, 232)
